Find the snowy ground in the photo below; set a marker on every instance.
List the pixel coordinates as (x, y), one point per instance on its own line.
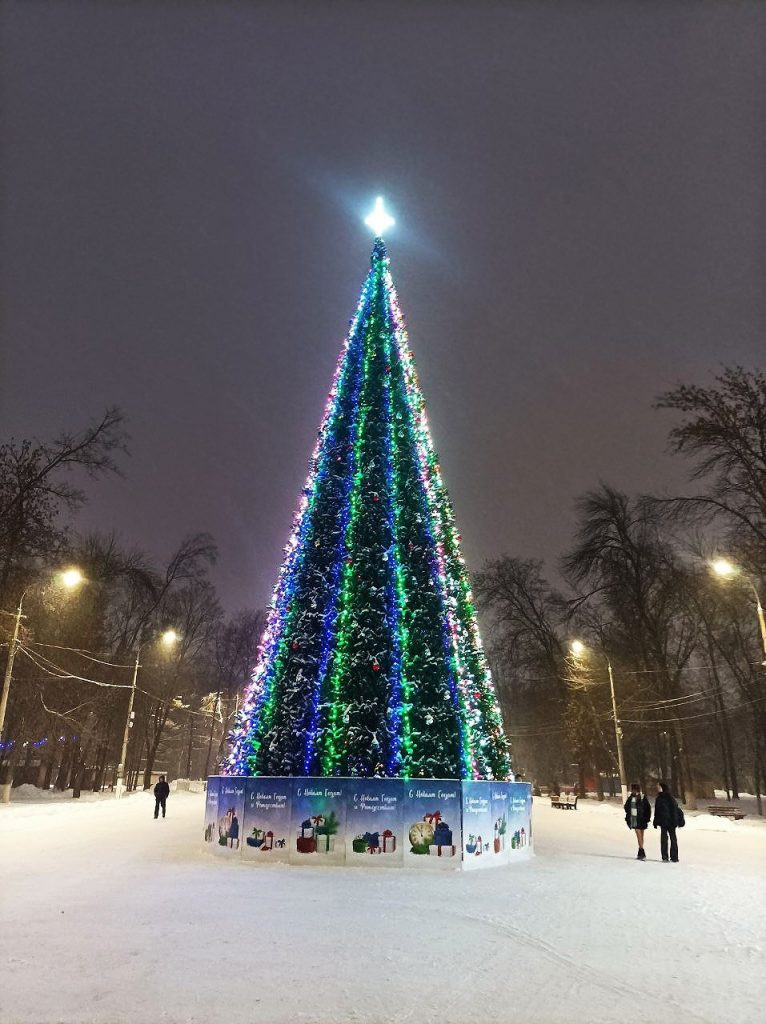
(110, 916)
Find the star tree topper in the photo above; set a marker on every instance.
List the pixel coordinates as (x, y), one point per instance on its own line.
(379, 221)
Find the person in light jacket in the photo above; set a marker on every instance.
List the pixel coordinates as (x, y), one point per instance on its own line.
(638, 814)
(666, 817)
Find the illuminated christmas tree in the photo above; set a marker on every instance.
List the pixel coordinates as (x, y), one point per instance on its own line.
(371, 662)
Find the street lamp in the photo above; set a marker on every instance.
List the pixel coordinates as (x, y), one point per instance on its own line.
(168, 639)
(727, 570)
(579, 650)
(69, 578)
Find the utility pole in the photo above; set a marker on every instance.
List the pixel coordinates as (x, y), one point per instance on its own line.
(5, 787)
(618, 736)
(212, 727)
(118, 789)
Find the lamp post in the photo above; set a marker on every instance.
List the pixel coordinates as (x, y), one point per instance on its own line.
(70, 579)
(578, 649)
(169, 638)
(727, 570)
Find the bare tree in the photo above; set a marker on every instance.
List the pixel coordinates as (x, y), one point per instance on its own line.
(622, 562)
(35, 490)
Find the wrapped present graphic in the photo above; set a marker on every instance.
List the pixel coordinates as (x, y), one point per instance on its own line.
(307, 829)
(359, 844)
(325, 829)
(433, 819)
(388, 841)
(373, 841)
(306, 844)
(442, 851)
(443, 834)
(268, 841)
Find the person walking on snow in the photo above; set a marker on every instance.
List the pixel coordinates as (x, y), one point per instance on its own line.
(668, 816)
(161, 793)
(638, 814)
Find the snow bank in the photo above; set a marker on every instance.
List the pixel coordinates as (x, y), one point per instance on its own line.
(27, 792)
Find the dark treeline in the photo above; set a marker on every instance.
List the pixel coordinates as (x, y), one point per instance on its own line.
(76, 650)
(637, 589)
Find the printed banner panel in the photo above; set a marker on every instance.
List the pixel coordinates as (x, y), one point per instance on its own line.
(211, 809)
(478, 825)
(374, 820)
(519, 819)
(432, 823)
(318, 829)
(268, 819)
(424, 823)
(501, 813)
(231, 811)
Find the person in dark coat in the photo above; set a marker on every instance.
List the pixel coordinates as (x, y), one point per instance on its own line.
(161, 793)
(666, 818)
(638, 814)
(234, 832)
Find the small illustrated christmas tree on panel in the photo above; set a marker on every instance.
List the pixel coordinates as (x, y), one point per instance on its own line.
(371, 662)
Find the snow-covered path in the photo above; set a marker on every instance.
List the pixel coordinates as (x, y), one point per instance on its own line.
(111, 916)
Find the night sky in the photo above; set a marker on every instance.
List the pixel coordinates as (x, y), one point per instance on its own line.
(579, 195)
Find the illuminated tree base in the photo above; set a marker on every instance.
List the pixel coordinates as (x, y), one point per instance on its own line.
(386, 823)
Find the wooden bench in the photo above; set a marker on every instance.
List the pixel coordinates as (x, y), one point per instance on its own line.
(566, 801)
(726, 811)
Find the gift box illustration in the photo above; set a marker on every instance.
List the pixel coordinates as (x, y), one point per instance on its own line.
(474, 846)
(317, 834)
(499, 838)
(388, 841)
(431, 836)
(307, 829)
(374, 842)
(261, 839)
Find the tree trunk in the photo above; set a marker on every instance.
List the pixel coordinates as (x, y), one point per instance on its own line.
(687, 779)
(62, 776)
(160, 720)
(599, 781)
(581, 778)
(191, 745)
(724, 759)
(730, 768)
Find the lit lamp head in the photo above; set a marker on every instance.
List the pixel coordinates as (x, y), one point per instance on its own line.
(71, 578)
(724, 568)
(379, 221)
(578, 648)
(169, 638)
